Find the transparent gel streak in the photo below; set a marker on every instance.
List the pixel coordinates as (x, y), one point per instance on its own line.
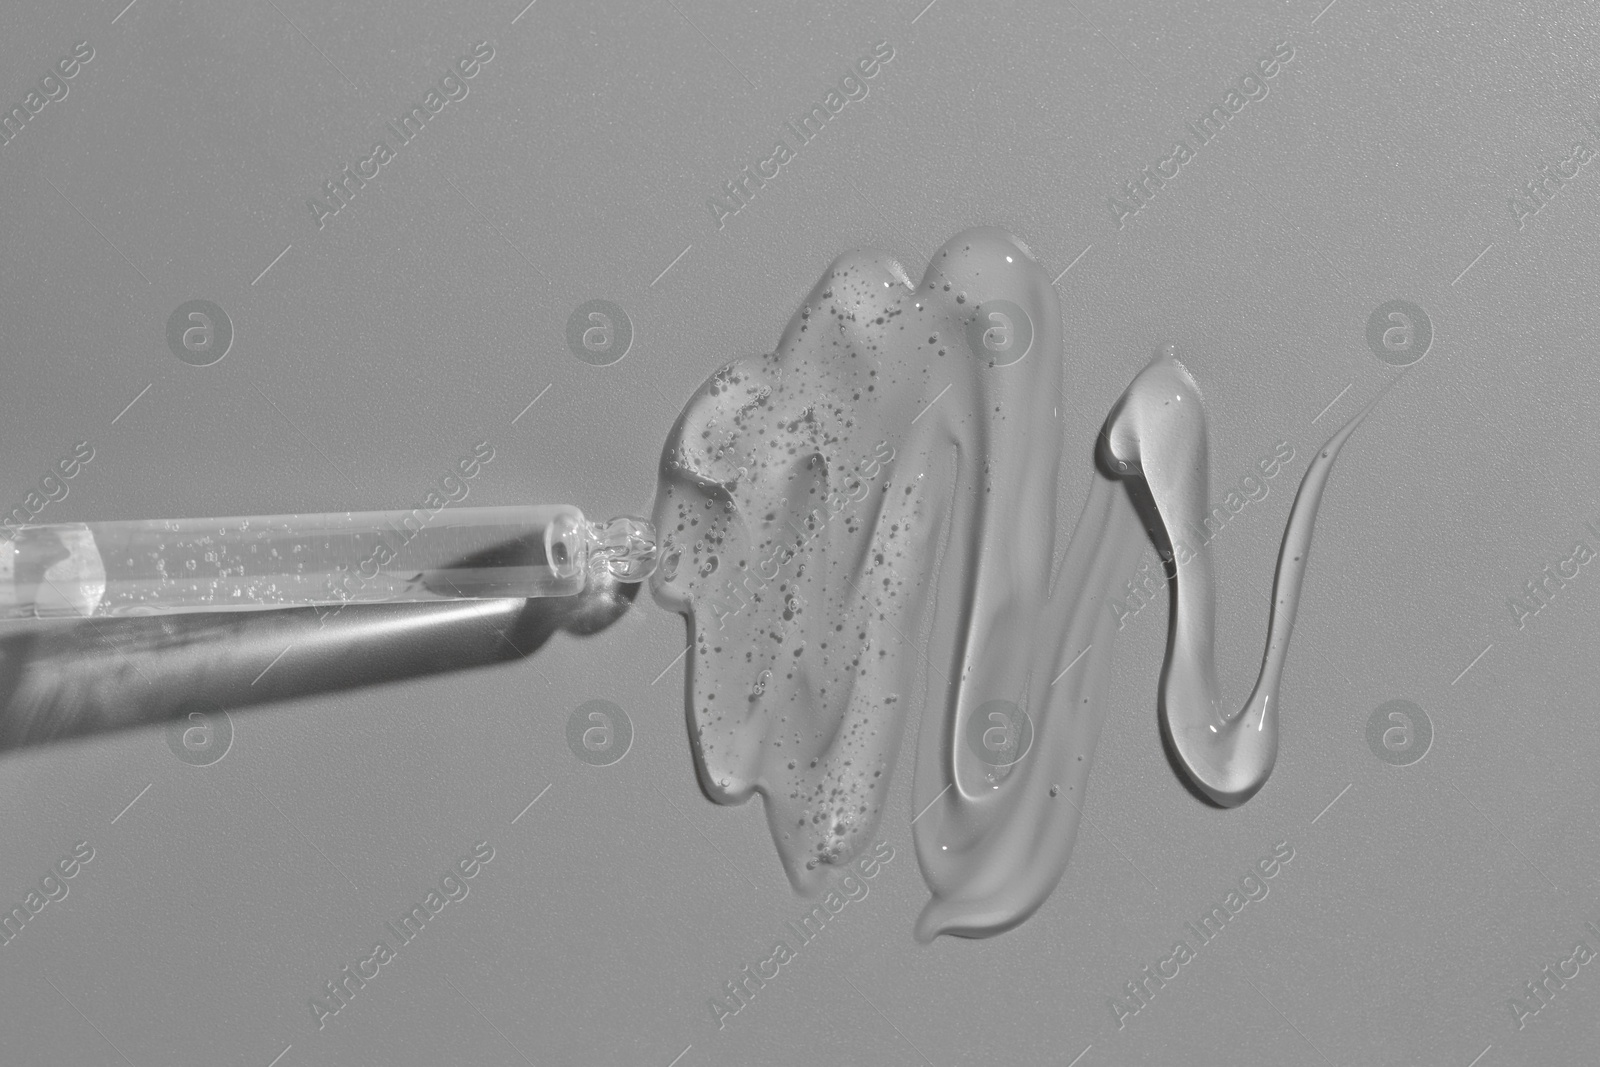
(865, 521)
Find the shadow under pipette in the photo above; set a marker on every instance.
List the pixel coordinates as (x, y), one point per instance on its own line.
(75, 678)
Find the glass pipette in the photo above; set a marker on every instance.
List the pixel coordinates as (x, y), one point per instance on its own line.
(250, 563)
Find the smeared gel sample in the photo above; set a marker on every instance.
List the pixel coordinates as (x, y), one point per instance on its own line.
(866, 520)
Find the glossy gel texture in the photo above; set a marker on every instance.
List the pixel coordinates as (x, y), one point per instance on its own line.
(865, 521)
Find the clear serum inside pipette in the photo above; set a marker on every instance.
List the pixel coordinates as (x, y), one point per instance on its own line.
(249, 563)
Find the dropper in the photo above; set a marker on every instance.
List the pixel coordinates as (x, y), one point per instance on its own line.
(259, 562)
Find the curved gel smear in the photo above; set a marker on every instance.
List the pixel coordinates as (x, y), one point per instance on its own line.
(866, 520)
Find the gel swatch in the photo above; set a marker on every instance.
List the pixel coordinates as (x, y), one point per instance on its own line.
(865, 521)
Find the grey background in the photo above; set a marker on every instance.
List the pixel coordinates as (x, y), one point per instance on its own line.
(427, 314)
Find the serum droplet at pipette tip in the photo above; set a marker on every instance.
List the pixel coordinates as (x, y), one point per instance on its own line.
(625, 547)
